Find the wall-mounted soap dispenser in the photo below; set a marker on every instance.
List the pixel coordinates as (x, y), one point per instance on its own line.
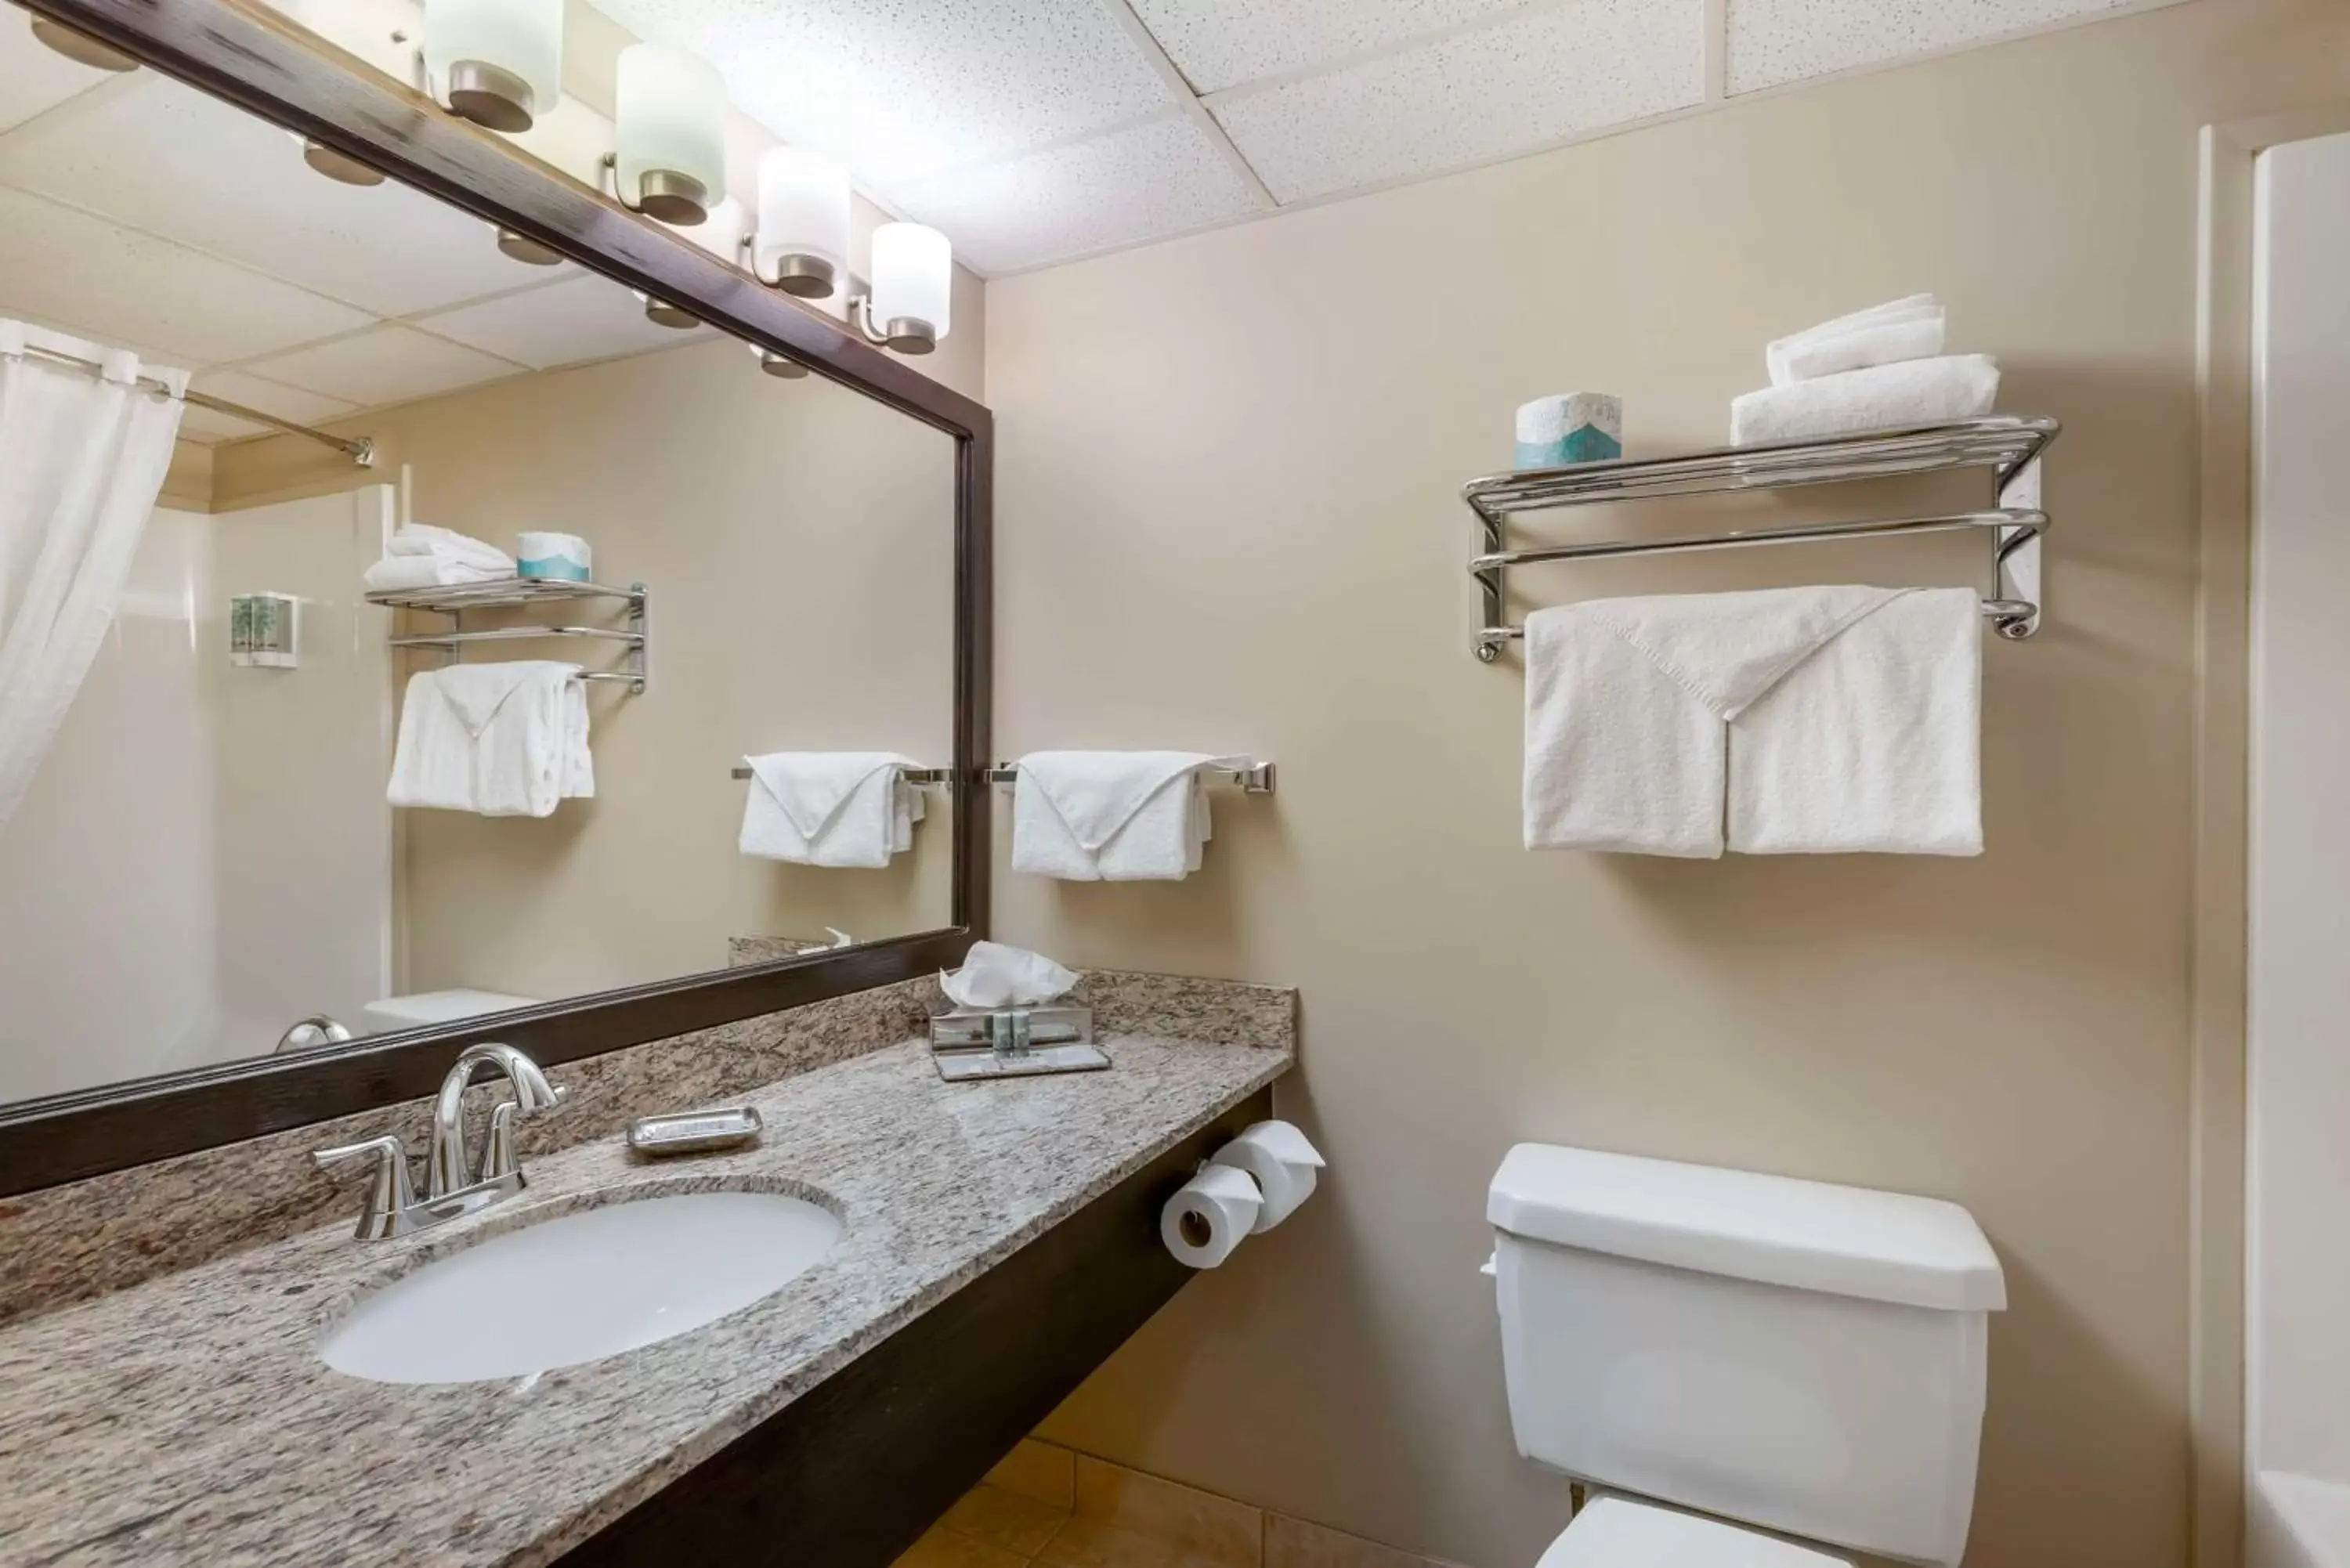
(262, 629)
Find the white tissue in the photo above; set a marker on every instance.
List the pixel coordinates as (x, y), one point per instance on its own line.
(1209, 1216)
(1281, 1161)
(994, 975)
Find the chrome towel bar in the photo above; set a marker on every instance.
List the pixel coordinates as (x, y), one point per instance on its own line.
(914, 775)
(1255, 778)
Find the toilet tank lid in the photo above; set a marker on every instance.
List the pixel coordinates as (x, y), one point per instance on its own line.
(1807, 1235)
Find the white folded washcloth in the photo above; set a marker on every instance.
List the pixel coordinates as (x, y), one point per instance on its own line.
(396, 573)
(1910, 329)
(1883, 397)
(447, 544)
(499, 740)
(1641, 714)
(1873, 742)
(848, 809)
(1111, 816)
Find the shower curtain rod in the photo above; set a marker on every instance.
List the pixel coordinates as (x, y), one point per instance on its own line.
(360, 451)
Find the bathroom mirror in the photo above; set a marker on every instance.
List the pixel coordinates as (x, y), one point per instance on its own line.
(758, 535)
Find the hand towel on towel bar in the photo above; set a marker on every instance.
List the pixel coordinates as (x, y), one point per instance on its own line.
(1908, 328)
(499, 740)
(850, 810)
(1111, 816)
(1641, 712)
(1883, 396)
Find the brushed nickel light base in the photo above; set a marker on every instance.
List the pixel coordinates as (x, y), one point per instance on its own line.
(661, 313)
(80, 46)
(526, 250)
(803, 277)
(908, 334)
(679, 200)
(491, 96)
(338, 167)
(783, 367)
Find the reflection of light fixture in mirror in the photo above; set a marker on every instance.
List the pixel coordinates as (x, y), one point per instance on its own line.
(913, 281)
(499, 63)
(661, 313)
(81, 46)
(528, 251)
(340, 167)
(783, 367)
(802, 245)
(669, 115)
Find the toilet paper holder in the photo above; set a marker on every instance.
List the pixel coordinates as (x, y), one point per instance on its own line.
(969, 1042)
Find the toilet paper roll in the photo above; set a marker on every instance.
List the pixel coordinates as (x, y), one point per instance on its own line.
(1282, 1162)
(1209, 1216)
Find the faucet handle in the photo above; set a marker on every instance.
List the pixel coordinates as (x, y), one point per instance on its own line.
(389, 1195)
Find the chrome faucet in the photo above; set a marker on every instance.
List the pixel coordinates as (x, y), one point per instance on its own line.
(393, 1209)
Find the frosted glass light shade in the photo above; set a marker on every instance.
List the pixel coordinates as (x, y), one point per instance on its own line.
(913, 281)
(499, 63)
(669, 110)
(803, 245)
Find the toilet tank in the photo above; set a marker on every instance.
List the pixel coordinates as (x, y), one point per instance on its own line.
(1789, 1354)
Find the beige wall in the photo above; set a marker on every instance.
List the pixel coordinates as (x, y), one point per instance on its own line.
(798, 541)
(1228, 519)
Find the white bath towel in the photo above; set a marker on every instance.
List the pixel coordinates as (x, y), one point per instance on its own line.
(846, 809)
(448, 544)
(1873, 742)
(499, 740)
(1111, 816)
(1628, 701)
(394, 573)
(1910, 329)
(1883, 397)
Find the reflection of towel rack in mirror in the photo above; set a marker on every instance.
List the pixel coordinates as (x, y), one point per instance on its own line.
(2009, 446)
(507, 593)
(914, 775)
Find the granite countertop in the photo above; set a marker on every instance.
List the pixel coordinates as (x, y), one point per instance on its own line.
(189, 1420)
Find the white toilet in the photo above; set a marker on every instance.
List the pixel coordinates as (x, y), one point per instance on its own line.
(1802, 1358)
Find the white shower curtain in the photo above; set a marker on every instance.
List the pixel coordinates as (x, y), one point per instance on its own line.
(82, 457)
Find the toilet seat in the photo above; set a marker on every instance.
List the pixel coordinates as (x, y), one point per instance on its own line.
(1612, 1533)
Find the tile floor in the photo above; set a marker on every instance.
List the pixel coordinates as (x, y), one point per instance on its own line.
(1048, 1507)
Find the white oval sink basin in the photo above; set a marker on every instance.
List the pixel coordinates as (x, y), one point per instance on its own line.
(579, 1288)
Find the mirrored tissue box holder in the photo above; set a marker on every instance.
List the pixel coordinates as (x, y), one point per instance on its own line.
(969, 1042)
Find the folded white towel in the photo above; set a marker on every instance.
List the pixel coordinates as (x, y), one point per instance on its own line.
(1873, 742)
(852, 809)
(1883, 397)
(424, 539)
(1111, 816)
(394, 573)
(1628, 701)
(499, 740)
(1908, 328)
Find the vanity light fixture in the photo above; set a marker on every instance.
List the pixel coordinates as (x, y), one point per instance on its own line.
(661, 313)
(783, 367)
(80, 46)
(802, 243)
(526, 250)
(499, 63)
(913, 283)
(341, 168)
(669, 122)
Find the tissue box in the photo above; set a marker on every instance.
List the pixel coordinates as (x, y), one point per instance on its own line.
(1569, 428)
(1014, 1041)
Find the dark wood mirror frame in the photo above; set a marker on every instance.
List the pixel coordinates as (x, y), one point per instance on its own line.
(265, 65)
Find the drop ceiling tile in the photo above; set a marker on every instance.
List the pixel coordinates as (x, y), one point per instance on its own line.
(585, 317)
(1775, 41)
(273, 396)
(35, 78)
(900, 89)
(106, 281)
(1474, 97)
(1219, 44)
(1144, 183)
(168, 161)
(389, 364)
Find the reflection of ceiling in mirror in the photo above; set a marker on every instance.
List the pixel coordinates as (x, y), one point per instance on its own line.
(141, 213)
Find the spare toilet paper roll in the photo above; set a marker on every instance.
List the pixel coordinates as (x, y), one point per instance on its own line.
(1281, 1161)
(1209, 1216)
(562, 556)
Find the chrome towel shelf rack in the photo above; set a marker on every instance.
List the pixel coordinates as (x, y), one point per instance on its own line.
(1255, 778)
(508, 593)
(2009, 446)
(924, 777)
